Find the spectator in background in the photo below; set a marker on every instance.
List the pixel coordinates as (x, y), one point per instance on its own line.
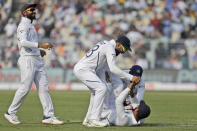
(194, 58)
(10, 28)
(175, 61)
(160, 55)
(95, 20)
(6, 64)
(191, 42)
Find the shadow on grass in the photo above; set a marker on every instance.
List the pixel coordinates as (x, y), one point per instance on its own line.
(32, 124)
(80, 123)
(167, 124)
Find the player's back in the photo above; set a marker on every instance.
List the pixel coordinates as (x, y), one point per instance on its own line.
(96, 57)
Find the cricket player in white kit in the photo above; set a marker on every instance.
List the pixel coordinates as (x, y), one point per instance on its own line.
(117, 85)
(121, 117)
(104, 52)
(32, 68)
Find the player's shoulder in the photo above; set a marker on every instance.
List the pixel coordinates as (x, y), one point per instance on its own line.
(109, 44)
(23, 26)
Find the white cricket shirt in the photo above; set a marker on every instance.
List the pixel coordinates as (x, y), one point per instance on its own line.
(122, 117)
(27, 38)
(102, 53)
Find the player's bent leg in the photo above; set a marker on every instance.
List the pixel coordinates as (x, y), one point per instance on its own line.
(42, 86)
(100, 93)
(93, 82)
(20, 95)
(27, 76)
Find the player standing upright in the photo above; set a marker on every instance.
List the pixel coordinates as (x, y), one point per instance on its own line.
(32, 68)
(104, 52)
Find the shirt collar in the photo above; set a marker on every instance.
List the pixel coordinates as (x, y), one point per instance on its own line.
(26, 20)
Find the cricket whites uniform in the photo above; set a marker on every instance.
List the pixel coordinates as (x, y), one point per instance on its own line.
(114, 113)
(120, 116)
(117, 85)
(138, 91)
(32, 69)
(87, 68)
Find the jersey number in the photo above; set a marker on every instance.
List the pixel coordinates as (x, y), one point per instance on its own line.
(91, 51)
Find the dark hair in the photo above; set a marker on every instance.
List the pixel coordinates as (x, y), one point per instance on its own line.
(144, 110)
(28, 5)
(123, 40)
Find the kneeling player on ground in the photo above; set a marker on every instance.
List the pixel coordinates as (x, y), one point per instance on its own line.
(122, 117)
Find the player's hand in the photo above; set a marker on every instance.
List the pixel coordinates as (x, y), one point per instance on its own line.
(136, 79)
(132, 84)
(42, 53)
(45, 45)
(107, 77)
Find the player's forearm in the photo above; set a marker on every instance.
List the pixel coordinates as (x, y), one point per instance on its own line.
(29, 44)
(114, 69)
(122, 96)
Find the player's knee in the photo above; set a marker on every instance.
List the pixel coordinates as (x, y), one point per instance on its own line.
(102, 89)
(23, 91)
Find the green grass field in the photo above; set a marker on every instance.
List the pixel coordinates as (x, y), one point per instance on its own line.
(171, 111)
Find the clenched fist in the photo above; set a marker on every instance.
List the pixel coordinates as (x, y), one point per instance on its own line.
(136, 79)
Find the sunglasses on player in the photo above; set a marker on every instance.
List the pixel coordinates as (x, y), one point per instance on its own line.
(124, 49)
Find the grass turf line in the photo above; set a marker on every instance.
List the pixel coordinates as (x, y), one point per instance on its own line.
(170, 111)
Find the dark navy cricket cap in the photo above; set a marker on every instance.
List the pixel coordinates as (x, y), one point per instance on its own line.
(123, 40)
(136, 70)
(144, 110)
(28, 5)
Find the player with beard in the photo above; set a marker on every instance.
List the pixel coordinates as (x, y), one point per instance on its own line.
(32, 68)
(87, 69)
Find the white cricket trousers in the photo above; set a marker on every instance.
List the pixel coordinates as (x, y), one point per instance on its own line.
(32, 70)
(97, 88)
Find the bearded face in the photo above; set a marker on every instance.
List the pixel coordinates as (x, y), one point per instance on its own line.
(30, 13)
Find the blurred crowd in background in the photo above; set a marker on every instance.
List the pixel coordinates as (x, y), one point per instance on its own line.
(163, 33)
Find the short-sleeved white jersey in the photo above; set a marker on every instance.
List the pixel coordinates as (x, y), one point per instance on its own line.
(101, 54)
(27, 38)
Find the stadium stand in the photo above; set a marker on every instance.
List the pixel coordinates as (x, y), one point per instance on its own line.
(165, 31)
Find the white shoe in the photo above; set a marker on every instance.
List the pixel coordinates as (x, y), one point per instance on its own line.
(12, 118)
(85, 122)
(96, 123)
(52, 120)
